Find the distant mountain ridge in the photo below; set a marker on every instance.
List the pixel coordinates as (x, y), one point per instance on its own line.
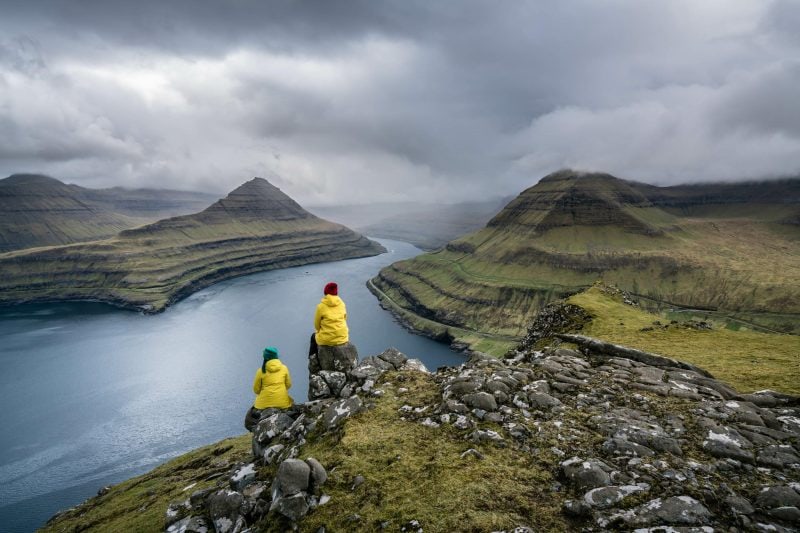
(732, 249)
(37, 210)
(255, 228)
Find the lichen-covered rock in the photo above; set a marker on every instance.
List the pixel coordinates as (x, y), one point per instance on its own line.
(293, 507)
(674, 511)
(190, 524)
(243, 476)
(604, 497)
(587, 474)
(341, 410)
(223, 509)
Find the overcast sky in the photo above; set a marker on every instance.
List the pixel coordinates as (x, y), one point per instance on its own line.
(358, 101)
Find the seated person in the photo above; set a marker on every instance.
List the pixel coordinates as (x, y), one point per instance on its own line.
(330, 320)
(271, 384)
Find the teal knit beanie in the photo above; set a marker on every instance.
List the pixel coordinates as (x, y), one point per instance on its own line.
(270, 352)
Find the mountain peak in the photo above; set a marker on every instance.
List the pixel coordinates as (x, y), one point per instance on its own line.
(258, 199)
(575, 198)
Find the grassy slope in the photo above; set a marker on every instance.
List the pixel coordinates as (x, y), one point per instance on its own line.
(748, 360)
(736, 259)
(139, 504)
(255, 228)
(411, 472)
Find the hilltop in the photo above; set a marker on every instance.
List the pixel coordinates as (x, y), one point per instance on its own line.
(255, 228)
(552, 438)
(38, 210)
(728, 253)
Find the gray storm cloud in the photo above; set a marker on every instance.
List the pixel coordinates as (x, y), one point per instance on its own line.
(365, 101)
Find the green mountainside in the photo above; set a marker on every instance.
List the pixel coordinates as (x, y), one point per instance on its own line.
(255, 228)
(39, 210)
(728, 251)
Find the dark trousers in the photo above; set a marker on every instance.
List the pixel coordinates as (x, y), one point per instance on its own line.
(251, 418)
(312, 345)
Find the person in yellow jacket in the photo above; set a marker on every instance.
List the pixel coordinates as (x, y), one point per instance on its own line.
(271, 385)
(330, 320)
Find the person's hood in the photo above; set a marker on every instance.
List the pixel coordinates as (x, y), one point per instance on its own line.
(331, 300)
(274, 365)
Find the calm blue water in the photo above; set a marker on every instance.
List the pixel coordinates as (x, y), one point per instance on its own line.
(91, 395)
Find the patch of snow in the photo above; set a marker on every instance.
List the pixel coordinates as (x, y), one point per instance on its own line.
(324, 499)
(570, 461)
(732, 405)
(187, 487)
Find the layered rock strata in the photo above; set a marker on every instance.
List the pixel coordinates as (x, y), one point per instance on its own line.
(255, 228)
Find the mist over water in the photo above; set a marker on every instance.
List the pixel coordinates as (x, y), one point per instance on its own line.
(92, 395)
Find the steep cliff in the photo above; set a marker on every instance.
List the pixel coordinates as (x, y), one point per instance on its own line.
(255, 228)
(720, 248)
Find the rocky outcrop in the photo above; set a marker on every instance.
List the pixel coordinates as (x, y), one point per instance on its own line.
(630, 445)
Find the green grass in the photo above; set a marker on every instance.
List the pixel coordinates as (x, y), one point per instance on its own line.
(748, 360)
(139, 504)
(416, 472)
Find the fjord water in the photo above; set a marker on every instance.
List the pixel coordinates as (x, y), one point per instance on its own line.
(91, 395)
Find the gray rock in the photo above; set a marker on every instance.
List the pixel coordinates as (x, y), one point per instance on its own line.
(543, 400)
(272, 426)
(778, 456)
(270, 454)
(243, 476)
(496, 385)
(335, 380)
(223, 509)
(318, 387)
(617, 446)
(340, 410)
(739, 505)
(677, 510)
(777, 496)
(415, 365)
(318, 474)
(292, 477)
(461, 388)
(481, 400)
(341, 358)
(585, 475)
(190, 524)
(293, 507)
(787, 514)
(604, 497)
(394, 357)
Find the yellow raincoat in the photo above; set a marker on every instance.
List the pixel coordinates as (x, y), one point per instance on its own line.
(330, 321)
(273, 387)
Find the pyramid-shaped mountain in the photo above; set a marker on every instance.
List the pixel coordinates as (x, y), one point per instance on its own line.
(725, 248)
(569, 198)
(255, 228)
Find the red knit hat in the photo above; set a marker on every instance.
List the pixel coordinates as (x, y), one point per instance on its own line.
(331, 288)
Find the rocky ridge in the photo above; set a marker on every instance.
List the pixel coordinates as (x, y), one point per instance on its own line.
(629, 445)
